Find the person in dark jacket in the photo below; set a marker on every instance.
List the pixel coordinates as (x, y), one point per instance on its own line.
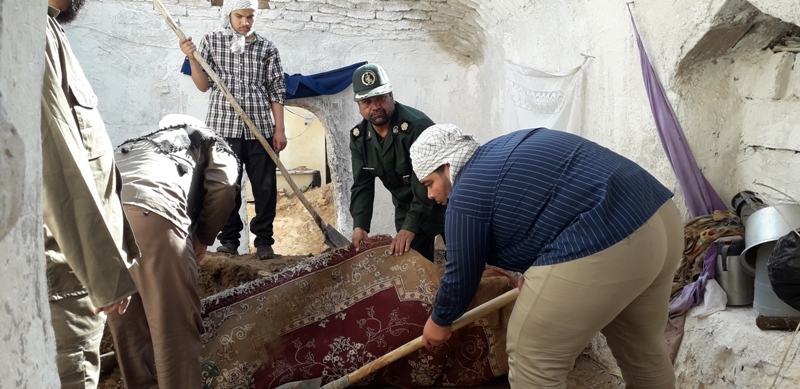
(178, 189)
(379, 147)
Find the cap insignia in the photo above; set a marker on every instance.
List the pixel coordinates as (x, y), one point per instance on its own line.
(368, 78)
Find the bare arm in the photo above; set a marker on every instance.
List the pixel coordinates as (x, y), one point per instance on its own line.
(279, 138)
(199, 75)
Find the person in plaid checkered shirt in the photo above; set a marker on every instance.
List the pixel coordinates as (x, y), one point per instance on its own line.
(250, 67)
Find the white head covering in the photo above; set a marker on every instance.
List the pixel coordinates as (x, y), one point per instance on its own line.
(238, 41)
(440, 144)
(178, 120)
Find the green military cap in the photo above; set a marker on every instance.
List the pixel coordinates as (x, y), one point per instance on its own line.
(370, 80)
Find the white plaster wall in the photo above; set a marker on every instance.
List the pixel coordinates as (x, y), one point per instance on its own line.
(126, 46)
(740, 102)
(552, 35)
(724, 350)
(446, 58)
(727, 350)
(786, 10)
(27, 341)
(739, 131)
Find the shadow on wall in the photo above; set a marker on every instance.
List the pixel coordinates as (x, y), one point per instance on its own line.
(739, 28)
(739, 92)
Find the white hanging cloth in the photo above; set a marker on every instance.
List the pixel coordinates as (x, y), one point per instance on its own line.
(535, 98)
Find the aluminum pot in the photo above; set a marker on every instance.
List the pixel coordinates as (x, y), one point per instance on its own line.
(767, 225)
(738, 285)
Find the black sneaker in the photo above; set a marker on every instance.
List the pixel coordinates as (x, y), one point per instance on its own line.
(265, 252)
(228, 248)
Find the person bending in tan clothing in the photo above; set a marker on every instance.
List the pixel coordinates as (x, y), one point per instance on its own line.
(179, 186)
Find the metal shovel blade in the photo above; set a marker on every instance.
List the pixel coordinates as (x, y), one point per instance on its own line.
(334, 239)
(313, 383)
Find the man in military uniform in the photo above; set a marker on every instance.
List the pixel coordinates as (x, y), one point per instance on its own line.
(379, 146)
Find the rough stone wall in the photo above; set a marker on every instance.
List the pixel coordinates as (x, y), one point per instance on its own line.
(28, 344)
(733, 99)
(446, 57)
(727, 351)
(742, 98)
(736, 101)
(125, 44)
(454, 26)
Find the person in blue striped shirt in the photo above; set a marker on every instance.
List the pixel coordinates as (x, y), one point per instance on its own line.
(597, 238)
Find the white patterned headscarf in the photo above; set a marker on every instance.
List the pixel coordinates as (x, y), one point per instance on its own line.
(440, 144)
(179, 120)
(238, 41)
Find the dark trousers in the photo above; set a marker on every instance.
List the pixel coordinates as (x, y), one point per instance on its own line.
(260, 170)
(424, 244)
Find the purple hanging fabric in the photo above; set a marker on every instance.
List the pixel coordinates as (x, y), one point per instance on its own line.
(692, 294)
(701, 198)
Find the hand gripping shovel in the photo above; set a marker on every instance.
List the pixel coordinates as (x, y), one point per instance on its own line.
(333, 238)
(406, 349)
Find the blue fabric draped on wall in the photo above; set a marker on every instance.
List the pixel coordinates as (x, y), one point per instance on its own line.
(298, 85)
(326, 83)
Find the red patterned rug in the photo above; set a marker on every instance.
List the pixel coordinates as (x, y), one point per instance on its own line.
(339, 311)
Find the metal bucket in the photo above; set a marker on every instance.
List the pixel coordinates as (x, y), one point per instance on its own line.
(767, 225)
(762, 230)
(737, 284)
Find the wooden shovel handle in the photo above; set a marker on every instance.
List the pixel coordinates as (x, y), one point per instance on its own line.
(414, 345)
(253, 129)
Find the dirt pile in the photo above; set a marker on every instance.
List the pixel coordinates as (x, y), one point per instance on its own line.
(295, 230)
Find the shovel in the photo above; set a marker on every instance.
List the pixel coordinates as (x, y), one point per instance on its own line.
(333, 238)
(406, 349)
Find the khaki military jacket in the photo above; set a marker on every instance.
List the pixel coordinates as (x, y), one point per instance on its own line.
(391, 163)
(89, 244)
(185, 174)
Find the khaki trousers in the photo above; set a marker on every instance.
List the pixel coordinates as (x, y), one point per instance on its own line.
(158, 339)
(622, 291)
(78, 333)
